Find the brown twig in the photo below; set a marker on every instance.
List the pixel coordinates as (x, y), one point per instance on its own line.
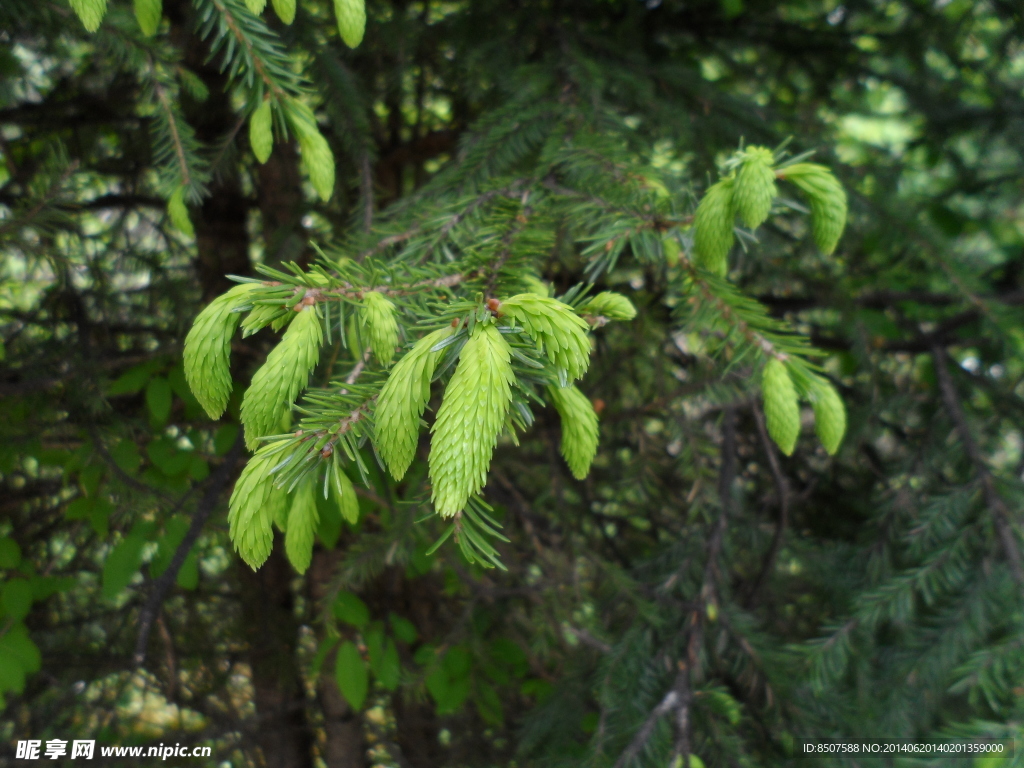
(665, 706)
(679, 696)
(162, 584)
(782, 492)
(366, 189)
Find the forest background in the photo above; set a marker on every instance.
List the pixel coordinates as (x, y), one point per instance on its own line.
(699, 597)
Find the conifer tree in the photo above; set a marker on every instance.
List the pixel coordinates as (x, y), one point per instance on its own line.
(612, 384)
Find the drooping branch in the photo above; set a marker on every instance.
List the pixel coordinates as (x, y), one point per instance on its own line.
(995, 503)
(782, 492)
(680, 695)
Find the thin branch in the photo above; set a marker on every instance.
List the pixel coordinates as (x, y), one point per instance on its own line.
(123, 476)
(665, 706)
(996, 504)
(243, 40)
(682, 745)
(51, 192)
(782, 492)
(679, 697)
(216, 484)
(179, 149)
(506, 242)
(366, 189)
(588, 639)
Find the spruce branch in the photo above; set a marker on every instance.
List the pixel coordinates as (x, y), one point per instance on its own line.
(996, 505)
(669, 703)
(782, 494)
(252, 54)
(176, 138)
(679, 697)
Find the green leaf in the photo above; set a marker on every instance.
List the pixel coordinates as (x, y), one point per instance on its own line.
(470, 418)
(425, 655)
(539, 689)
(89, 478)
(348, 502)
(16, 599)
(90, 12)
(556, 328)
(12, 675)
(488, 704)
(16, 644)
(383, 655)
(374, 639)
(252, 508)
(323, 649)
(390, 666)
(755, 186)
(351, 15)
(44, 587)
(158, 401)
(378, 314)
(10, 553)
(351, 609)
(179, 386)
(167, 457)
(208, 347)
(255, 6)
(125, 454)
(121, 565)
(609, 305)
(579, 428)
(781, 409)
(188, 574)
(179, 213)
(329, 529)
(449, 683)
(198, 469)
(261, 132)
(174, 533)
(828, 202)
(134, 379)
(712, 224)
(351, 675)
(303, 519)
(401, 403)
(829, 415)
(509, 653)
(285, 10)
(724, 704)
(404, 629)
(280, 379)
(317, 158)
(147, 13)
(224, 438)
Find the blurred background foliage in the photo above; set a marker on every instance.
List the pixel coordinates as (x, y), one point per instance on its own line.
(874, 594)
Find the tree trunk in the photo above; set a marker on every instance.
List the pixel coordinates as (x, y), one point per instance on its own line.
(343, 729)
(268, 614)
(282, 206)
